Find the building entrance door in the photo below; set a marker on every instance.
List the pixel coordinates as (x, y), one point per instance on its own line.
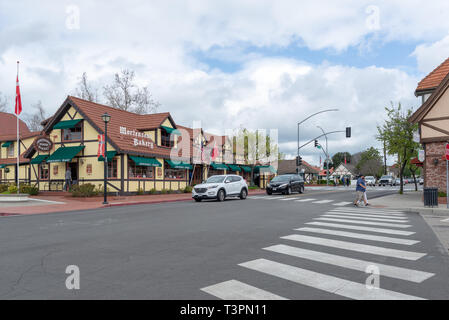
(73, 166)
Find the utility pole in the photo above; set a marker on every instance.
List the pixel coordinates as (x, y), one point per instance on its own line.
(385, 158)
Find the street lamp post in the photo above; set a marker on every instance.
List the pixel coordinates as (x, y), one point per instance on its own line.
(106, 118)
(327, 157)
(297, 169)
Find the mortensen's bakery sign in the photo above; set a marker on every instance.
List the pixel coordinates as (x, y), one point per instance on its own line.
(140, 138)
(43, 144)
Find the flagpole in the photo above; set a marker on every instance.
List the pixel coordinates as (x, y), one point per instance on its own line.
(18, 145)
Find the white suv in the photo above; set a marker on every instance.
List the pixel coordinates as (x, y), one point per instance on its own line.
(220, 187)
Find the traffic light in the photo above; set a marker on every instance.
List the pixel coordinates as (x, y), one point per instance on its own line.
(316, 143)
(298, 161)
(348, 132)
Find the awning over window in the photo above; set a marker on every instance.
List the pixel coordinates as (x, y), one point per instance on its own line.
(219, 166)
(234, 167)
(64, 154)
(2, 166)
(171, 130)
(180, 165)
(66, 124)
(109, 154)
(39, 159)
(246, 168)
(264, 169)
(146, 162)
(7, 144)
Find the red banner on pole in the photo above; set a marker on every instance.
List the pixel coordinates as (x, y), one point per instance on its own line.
(101, 145)
(447, 151)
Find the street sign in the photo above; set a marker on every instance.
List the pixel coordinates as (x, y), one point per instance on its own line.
(421, 155)
(447, 151)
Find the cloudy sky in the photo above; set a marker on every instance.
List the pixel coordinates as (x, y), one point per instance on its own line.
(254, 64)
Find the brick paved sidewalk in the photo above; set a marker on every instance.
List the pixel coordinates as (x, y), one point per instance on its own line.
(64, 203)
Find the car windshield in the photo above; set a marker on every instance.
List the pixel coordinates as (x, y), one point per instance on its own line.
(281, 179)
(215, 179)
(370, 178)
(386, 177)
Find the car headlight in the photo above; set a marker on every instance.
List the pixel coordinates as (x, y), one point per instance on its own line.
(283, 185)
(212, 187)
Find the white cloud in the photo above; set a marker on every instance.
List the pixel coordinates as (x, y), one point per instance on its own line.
(430, 55)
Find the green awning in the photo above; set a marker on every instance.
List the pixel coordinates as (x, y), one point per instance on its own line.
(39, 159)
(246, 168)
(180, 165)
(219, 166)
(109, 154)
(66, 124)
(2, 166)
(171, 130)
(146, 162)
(64, 154)
(265, 169)
(234, 167)
(7, 144)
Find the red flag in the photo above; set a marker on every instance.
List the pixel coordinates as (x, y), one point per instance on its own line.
(214, 153)
(18, 109)
(345, 159)
(100, 146)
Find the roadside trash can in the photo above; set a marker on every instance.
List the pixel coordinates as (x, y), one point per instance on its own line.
(431, 197)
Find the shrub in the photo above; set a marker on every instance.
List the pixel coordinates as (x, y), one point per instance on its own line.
(253, 188)
(152, 191)
(84, 190)
(164, 191)
(188, 189)
(441, 194)
(3, 188)
(28, 189)
(140, 192)
(12, 189)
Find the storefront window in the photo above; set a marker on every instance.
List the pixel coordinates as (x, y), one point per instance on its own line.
(112, 168)
(213, 172)
(11, 151)
(43, 171)
(165, 139)
(73, 134)
(140, 171)
(179, 174)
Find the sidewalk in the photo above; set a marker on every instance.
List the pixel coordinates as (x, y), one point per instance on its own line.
(437, 218)
(60, 203)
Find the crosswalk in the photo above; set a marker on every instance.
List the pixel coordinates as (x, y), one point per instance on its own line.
(354, 241)
(302, 200)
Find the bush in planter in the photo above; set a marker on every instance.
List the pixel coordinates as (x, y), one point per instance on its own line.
(152, 191)
(164, 191)
(140, 192)
(28, 189)
(3, 188)
(12, 189)
(84, 190)
(188, 189)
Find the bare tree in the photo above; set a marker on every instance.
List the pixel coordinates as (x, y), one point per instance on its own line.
(34, 120)
(3, 102)
(125, 95)
(85, 90)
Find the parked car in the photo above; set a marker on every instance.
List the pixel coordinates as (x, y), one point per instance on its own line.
(286, 184)
(397, 181)
(370, 181)
(421, 180)
(387, 180)
(220, 187)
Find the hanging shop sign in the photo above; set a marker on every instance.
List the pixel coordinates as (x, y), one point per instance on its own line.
(43, 144)
(139, 138)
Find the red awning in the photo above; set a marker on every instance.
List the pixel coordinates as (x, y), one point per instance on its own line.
(416, 162)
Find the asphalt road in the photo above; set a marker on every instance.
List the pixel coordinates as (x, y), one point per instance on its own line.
(189, 250)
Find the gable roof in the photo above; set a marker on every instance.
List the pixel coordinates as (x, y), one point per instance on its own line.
(433, 79)
(92, 112)
(8, 125)
(289, 166)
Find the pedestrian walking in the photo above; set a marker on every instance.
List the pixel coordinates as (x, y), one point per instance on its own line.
(343, 181)
(68, 179)
(348, 181)
(360, 190)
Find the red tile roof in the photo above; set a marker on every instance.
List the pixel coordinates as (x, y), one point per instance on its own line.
(8, 125)
(433, 79)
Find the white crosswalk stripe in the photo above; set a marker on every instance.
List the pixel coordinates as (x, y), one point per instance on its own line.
(359, 236)
(367, 215)
(289, 199)
(370, 229)
(380, 215)
(351, 263)
(236, 290)
(305, 200)
(363, 218)
(323, 201)
(343, 203)
(371, 210)
(364, 248)
(372, 223)
(343, 287)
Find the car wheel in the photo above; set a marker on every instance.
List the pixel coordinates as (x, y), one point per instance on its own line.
(269, 193)
(198, 199)
(243, 194)
(301, 189)
(288, 191)
(221, 195)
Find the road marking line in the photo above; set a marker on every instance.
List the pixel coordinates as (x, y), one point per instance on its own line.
(323, 201)
(367, 215)
(363, 218)
(288, 199)
(406, 242)
(445, 220)
(358, 247)
(47, 201)
(351, 227)
(380, 215)
(323, 282)
(236, 290)
(343, 203)
(305, 200)
(367, 222)
(372, 210)
(354, 264)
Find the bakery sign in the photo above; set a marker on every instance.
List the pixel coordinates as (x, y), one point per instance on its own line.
(139, 138)
(43, 144)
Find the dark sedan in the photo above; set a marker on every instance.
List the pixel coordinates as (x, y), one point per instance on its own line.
(286, 184)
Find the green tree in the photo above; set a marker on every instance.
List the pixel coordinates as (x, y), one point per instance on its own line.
(339, 158)
(397, 132)
(370, 162)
